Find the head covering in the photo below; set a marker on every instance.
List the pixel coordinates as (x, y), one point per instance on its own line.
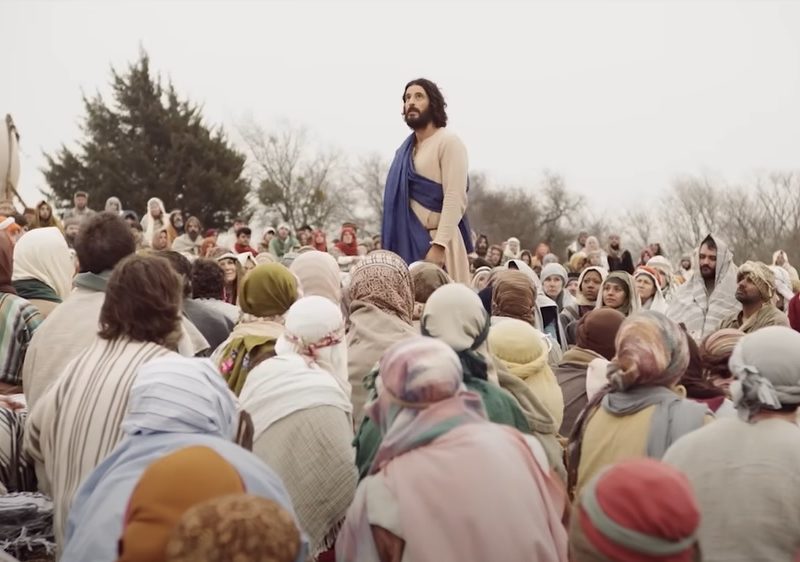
(166, 490)
(427, 277)
(765, 364)
(382, 279)
(656, 303)
(51, 221)
(512, 248)
(554, 269)
(176, 394)
(698, 386)
(624, 279)
(321, 246)
(420, 397)
(639, 510)
(6, 263)
(550, 258)
(761, 276)
(350, 249)
(514, 296)
(481, 278)
(651, 351)
(783, 283)
(597, 331)
(235, 527)
(592, 245)
(580, 298)
(268, 290)
(716, 350)
(160, 205)
(43, 254)
(112, 200)
(319, 274)
(663, 266)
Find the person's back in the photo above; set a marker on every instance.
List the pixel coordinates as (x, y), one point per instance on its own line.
(214, 326)
(746, 478)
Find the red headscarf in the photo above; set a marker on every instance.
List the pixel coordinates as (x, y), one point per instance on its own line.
(321, 246)
(348, 249)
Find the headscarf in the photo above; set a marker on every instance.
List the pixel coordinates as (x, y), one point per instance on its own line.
(663, 266)
(156, 234)
(783, 285)
(320, 246)
(656, 303)
(268, 290)
(694, 380)
(512, 250)
(481, 278)
(427, 277)
(237, 527)
(382, 279)
(580, 298)
(116, 200)
(549, 258)
(6, 263)
(592, 245)
(765, 363)
(716, 350)
(149, 224)
(43, 254)
(514, 296)
(319, 274)
(639, 510)
(761, 276)
(651, 351)
(309, 369)
(624, 279)
(420, 397)
(167, 489)
(455, 315)
(348, 249)
(563, 299)
(597, 331)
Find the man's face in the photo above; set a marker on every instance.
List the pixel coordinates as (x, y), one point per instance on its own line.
(193, 229)
(708, 262)
(237, 225)
(686, 265)
(243, 239)
(80, 201)
(746, 291)
(582, 238)
(614, 241)
(482, 246)
(416, 108)
(495, 255)
(177, 221)
(72, 230)
(552, 286)
(283, 233)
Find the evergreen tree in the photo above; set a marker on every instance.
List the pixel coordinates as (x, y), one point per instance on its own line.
(149, 143)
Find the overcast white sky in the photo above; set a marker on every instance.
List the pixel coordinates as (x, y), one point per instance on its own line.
(620, 97)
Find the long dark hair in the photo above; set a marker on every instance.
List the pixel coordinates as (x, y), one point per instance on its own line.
(435, 98)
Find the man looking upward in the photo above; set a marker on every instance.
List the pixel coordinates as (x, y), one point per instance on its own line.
(425, 199)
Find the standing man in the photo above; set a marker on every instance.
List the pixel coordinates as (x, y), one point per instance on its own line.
(81, 209)
(619, 259)
(425, 200)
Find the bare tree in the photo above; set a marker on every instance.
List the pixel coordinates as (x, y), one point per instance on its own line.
(369, 179)
(299, 183)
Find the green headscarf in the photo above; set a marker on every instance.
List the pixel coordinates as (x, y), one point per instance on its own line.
(268, 290)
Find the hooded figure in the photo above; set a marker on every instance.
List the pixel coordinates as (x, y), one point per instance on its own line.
(113, 205)
(512, 251)
(619, 292)
(701, 311)
(43, 268)
(590, 284)
(554, 271)
(648, 289)
(150, 223)
(780, 259)
(755, 290)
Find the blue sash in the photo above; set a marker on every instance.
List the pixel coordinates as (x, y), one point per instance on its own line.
(401, 231)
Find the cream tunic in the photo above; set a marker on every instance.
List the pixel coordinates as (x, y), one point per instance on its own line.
(442, 158)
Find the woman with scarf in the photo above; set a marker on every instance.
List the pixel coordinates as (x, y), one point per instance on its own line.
(381, 313)
(481, 278)
(19, 319)
(161, 241)
(319, 275)
(521, 350)
(234, 275)
(619, 293)
(780, 259)
(300, 402)
(348, 243)
(45, 217)
(113, 205)
(319, 241)
(437, 443)
(641, 412)
(43, 269)
(512, 249)
(637, 510)
(154, 219)
(554, 282)
(267, 293)
(426, 277)
(648, 290)
(175, 227)
(596, 255)
(180, 426)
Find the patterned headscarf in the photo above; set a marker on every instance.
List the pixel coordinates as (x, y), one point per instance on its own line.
(761, 276)
(235, 527)
(268, 290)
(716, 350)
(382, 279)
(514, 296)
(637, 510)
(765, 365)
(651, 351)
(427, 278)
(420, 397)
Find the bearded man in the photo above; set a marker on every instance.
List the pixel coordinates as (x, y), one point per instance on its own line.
(619, 259)
(425, 200)
(189, 243)
(754, 290)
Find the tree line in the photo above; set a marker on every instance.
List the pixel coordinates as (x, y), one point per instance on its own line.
(148, 141)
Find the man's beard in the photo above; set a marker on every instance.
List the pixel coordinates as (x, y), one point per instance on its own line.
(708, 273)
(193, 235)
(422, 119)
(615, 246)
